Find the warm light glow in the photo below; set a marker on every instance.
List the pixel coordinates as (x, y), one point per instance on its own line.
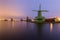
(8, 9)
(32, 19)
(9, 12)
(51, 27)
(57, 19)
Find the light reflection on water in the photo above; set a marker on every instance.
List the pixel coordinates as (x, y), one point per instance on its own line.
(51, 27)
(29, 31)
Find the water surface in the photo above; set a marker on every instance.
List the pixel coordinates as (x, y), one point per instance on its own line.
(18, 30)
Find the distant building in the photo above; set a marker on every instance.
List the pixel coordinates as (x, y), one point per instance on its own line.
(12, 19)
(50, 20)
(27, 19)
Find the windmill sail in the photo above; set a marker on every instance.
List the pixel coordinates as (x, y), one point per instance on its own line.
(40, 18)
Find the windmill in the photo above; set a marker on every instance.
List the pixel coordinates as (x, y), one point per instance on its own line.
(40, 18)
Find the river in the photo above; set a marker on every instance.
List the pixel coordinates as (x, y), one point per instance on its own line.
(18, 30)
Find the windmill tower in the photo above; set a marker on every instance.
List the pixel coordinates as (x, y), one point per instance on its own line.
(40, 18)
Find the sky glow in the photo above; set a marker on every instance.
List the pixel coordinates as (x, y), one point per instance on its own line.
(23, 8)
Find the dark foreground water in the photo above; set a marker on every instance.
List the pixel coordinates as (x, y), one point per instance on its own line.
(29, 31)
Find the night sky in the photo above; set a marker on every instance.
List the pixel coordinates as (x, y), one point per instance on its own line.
(23, 8)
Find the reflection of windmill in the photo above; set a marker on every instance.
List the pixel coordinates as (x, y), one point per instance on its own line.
(40, 18)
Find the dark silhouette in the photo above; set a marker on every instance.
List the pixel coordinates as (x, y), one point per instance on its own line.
(50, 20)
(27, 19)
(21, 19)
(12, 19)
(39, 18)
(5, 20)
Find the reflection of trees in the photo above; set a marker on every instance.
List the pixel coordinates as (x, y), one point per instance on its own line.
(56, 27)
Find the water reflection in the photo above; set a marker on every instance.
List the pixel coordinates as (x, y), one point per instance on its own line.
(12, 25)
(30, 31)
(39, 30)
(51, 27)
(39, 27)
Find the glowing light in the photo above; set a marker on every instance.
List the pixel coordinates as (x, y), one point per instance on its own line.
(51, 27)
(57, 19)
(32, 19)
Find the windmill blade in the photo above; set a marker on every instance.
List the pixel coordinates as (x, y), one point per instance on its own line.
(35, 10)
(44, 11)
